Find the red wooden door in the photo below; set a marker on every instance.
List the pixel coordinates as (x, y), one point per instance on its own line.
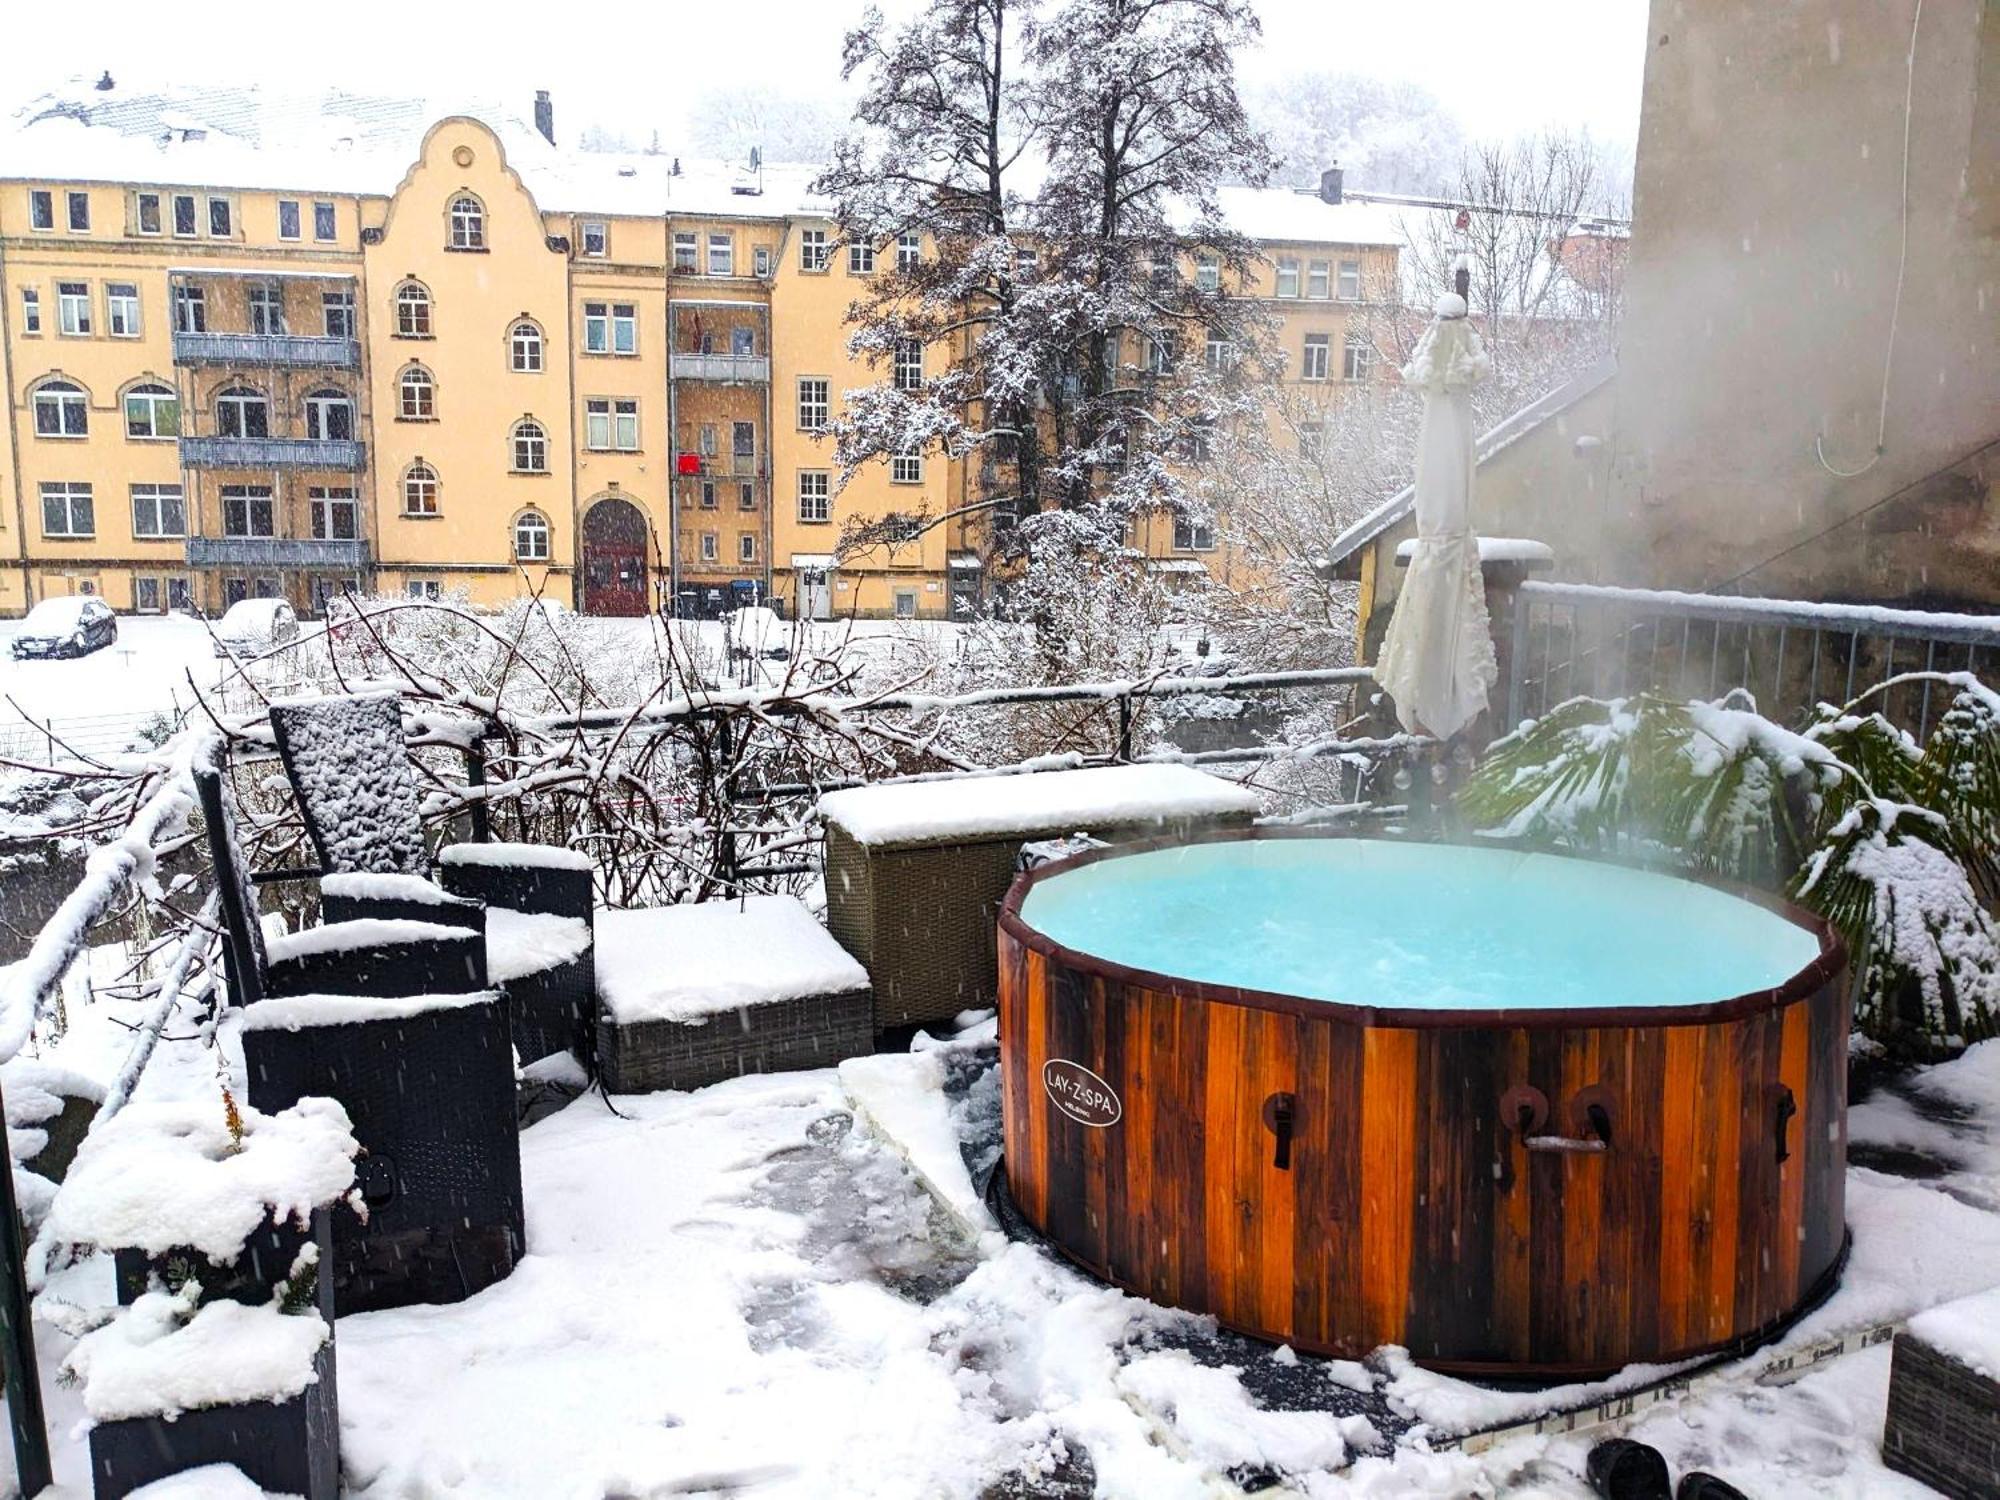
(614, 559)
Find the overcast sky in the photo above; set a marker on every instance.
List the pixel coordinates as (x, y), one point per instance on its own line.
(1505, 66)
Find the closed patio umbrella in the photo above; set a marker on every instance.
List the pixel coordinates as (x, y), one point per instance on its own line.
(1437, 658)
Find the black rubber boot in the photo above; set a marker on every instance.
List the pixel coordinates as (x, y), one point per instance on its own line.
(1695, 1485)
(1621, 1469)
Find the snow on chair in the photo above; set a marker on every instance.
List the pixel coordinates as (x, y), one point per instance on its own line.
(347, 760)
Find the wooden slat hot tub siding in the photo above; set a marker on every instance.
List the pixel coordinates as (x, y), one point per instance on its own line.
(1410, 1213)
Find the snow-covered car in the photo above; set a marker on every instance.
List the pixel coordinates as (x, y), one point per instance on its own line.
(756, 631)
(74, 625)
(251, 627)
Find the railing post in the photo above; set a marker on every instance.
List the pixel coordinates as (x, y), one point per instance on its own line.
(726, 803)
(1124, 754)
(17, 1348)
(475, 776)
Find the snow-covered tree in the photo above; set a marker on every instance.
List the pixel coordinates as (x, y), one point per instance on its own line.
(1391, 135)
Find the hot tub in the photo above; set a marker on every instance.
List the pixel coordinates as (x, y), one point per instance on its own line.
(1523, 1114)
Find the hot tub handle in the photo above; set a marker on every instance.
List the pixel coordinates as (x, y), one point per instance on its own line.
(1279, 1110)
(1787, 1106)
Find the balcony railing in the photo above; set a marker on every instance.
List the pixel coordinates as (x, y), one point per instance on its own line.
(272, 453)
(737, 367)
(266, 349)
(274, 552)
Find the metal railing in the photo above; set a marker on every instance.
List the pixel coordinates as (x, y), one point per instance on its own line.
(275, 552)
(1573, 639)
(748, 368)
(306, 350)
(273, 453)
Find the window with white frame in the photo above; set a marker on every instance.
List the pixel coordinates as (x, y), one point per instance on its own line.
(1312, 441)
(221, 218)
(686, 250)
(1288, 276)
(413, 311)
(1319, 279)
(760, 260)
(1356, 357)
(721, 255)
(416, 395)
(746, 546)
(266, 303)
(428, 589)
(159, 511)
(1024, 263)
(420, 490)
(468, 223)
(708, 500)
(329, 415)
(323, 221)
(248, 510)
(332, 511)
(710, 549)
(1219, 353)
(67, 509)
(815, 496)
(146, 213)
(73, 308)
(241, 412)
(610, 328)
(524, 348)
(1189, 537)
(152, 412)
(814, 403)
(41, 209)
(1350, 281)
(531, 537)
(909, 250)
(190, 310)
(812, 250)
(746, 496)
(596, 237)
(288, 218)
(186, 224)
(909, 365)
(62, 410)
(79, 213)
(611, 424)
(31, 310)
(860, 259)
(1207, 273)
(1314, 365)
(906, 468)
(906, 604)
(743, 446)
(337, 314)
(1198, 442)
(1160, 355)
(531, 447)
(146, 596)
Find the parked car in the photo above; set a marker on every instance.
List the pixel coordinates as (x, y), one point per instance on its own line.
(75, 625)
(757, 631)
(251, 627)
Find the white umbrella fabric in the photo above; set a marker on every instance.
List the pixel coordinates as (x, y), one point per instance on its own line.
(1437, 658)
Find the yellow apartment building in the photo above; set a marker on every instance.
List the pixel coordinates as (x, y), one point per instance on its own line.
(257, 346)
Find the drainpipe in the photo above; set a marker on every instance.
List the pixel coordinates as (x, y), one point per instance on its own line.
(673, 445)
(575, 448)
(770, 457)
(14, 434)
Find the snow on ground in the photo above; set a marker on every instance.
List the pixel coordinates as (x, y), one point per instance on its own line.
(748, 1290)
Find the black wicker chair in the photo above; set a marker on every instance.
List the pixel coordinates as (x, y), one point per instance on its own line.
(429, 1086)
(523, 886)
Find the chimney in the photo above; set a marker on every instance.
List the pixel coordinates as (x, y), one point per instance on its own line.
(545, 116)
(104, 84)
(1329, 184)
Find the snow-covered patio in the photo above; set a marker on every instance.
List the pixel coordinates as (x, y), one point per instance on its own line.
(788, 1285)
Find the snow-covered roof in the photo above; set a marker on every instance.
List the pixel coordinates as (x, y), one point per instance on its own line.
(1288, 215)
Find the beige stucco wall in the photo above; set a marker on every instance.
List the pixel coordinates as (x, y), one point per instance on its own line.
(1760, 294)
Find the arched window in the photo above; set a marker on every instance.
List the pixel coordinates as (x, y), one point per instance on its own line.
(413, 311)
(417, 395)
(420, 490)
(242, 413)
(524, 345)
(61, 409)
(531, 537)
(531, 447)
(152, 410)
(329, 415)
(468, 223)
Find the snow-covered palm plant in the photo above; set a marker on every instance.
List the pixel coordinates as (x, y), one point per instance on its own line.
(1897, 844)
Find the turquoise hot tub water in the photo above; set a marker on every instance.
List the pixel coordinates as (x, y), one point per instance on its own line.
(1419, 926)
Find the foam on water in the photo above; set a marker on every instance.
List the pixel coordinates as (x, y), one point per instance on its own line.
(1373, 922)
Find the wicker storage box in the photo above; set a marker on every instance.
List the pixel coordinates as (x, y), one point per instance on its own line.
(1943, 1426)
(916, 871)
(691, 995)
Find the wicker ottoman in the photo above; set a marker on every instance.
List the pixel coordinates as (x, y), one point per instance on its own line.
(916, 870)
(1943, 1425)
(691, 995)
